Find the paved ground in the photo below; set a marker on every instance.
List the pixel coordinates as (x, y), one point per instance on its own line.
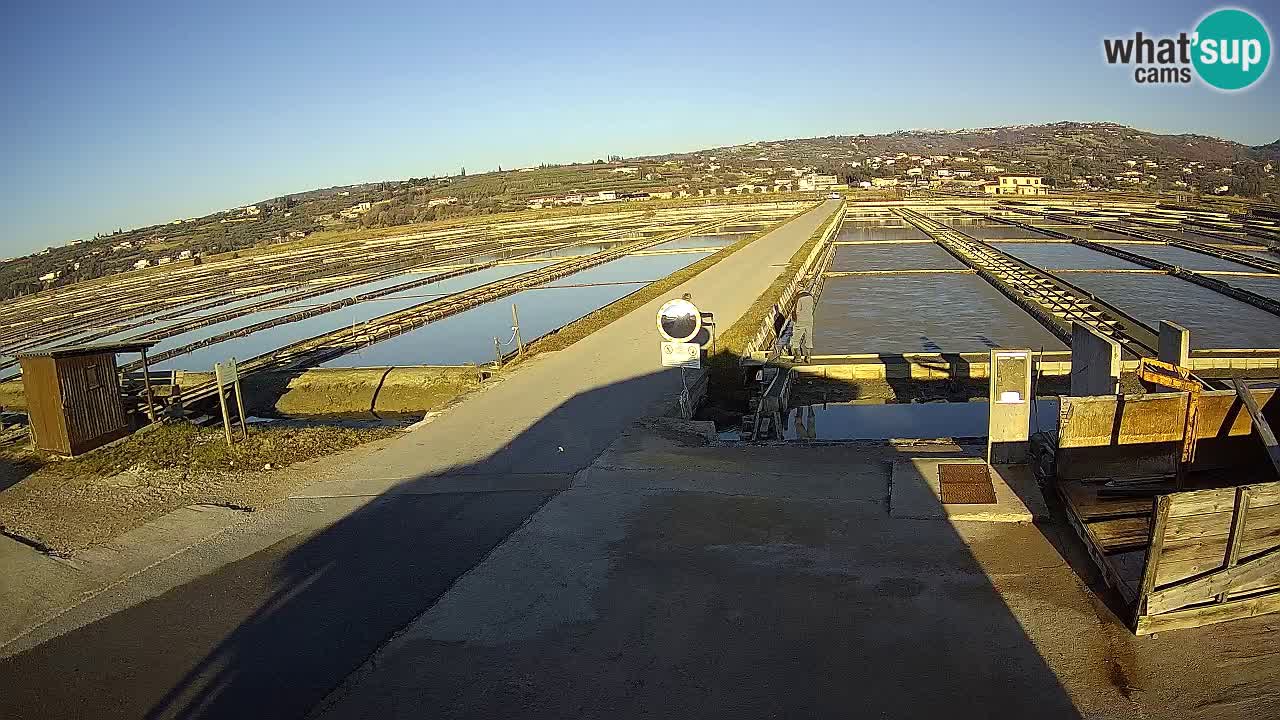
(265, 618)
(492, 574)
(681, 581)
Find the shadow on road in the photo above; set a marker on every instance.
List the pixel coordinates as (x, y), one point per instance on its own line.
(706, 604)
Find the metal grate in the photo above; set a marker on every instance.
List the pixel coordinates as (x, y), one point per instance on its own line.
(966, 484)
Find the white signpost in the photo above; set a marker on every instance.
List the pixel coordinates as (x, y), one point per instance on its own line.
(684, 330)
(228, 376)
(679, 322)
(1008, 430)
(682, 354)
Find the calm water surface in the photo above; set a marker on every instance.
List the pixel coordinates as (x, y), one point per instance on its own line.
(921, 313)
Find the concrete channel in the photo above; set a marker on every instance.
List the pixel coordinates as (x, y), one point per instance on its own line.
(245, 307)
(890, 289)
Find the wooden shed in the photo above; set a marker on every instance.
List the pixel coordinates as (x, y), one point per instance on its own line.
(74, 399)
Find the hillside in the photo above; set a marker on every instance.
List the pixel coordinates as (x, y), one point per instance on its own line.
(1070, 155)
(1269, 152)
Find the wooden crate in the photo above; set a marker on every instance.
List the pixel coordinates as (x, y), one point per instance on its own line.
(1178, 559)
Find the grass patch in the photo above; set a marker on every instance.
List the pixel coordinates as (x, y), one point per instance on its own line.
(13, 396)
(71, 504)
(350, 234)
(183, 446)
(725, 389)
(734, 340)
(587, 324)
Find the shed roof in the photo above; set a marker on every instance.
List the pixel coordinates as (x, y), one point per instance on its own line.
(89, 349)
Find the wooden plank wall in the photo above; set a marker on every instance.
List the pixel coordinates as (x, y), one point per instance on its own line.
(44, 404)
(1215, 557)
(91, 400)
(1199, 527)
(1153, 418)
(1137, 435)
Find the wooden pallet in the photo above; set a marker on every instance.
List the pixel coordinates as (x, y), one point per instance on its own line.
(1187, 558)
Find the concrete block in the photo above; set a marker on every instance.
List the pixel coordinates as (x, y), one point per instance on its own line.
(1175, 343)
(915, 493)
(1095, 362)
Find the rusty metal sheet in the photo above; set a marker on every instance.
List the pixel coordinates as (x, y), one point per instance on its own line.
(965, 484)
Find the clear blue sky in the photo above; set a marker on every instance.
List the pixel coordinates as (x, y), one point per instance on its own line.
(131, 113)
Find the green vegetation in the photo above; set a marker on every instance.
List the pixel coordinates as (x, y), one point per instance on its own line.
(726, 383)
(71, 504)
(1071, 156)
(183, 446)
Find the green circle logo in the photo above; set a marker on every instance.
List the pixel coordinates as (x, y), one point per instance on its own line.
(1232, 49)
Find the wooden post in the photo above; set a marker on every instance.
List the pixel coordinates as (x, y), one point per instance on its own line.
(1237, 530)
(222, 401)
(235, 381)
(1155, 545)
(1261, 427)
(1189, 432)
(146, 381)
(497, 350)
(515, 327)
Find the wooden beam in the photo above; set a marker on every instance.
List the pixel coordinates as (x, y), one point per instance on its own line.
(235, 382)
(1260, 425)
(146, 382)
(1189, 431)
(1159, 518)
(1209, 614)
(1237, 530)
(222, 401)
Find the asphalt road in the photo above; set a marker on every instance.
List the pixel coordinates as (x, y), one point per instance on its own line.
(270, 634)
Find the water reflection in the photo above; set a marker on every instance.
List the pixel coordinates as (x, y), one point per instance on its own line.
(887, 231)
(851, 258)
(1057, 256)
(1264, 286)
(1215, 320)
(701, 241)
(270, 338)
(921, 313)
(854, 421)
(1183, 258)
(468, 336)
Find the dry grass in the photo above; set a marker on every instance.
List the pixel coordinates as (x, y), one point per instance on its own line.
(347, 235)
(68, 505)
(183, 446)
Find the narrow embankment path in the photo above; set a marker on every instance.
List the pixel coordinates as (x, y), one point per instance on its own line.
(265, 619)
